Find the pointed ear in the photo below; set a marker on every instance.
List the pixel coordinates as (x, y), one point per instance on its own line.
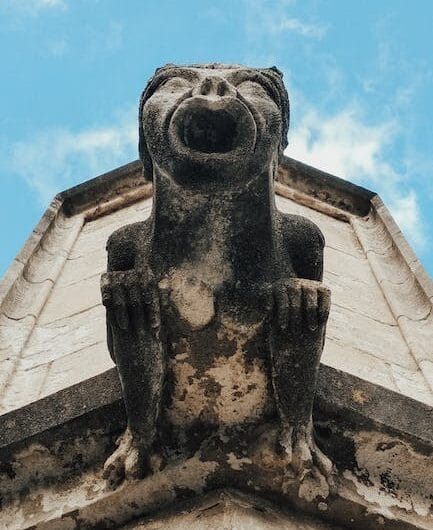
(142, 145)
(144, 155)
(276, 77)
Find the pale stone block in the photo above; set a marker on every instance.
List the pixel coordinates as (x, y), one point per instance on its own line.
(6, 283)
(95, 234)
(372, 234)
(348, 265)
(80, 268)
(62, 337)
(427, 370)
(75, 367)
(359, 297)
(23, 388)
(407, 299)
(412, 384)
(338, 234)
(13, 335)
(49, 256)
(26, 298)
(359, 363)
(419, 336)
(370, 336)
(71, 299)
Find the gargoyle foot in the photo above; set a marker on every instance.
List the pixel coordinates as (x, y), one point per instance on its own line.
(129, 461)
(310, 466)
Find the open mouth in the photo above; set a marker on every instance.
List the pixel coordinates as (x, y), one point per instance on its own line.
(212, 126)
(209, 131)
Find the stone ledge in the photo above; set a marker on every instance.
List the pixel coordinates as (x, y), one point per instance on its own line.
(323, 187)
(341, 399)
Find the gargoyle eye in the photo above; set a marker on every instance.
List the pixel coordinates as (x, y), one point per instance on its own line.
(175, 83)
(253, 88)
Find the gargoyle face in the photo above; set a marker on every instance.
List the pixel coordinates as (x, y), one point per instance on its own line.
(203, 125)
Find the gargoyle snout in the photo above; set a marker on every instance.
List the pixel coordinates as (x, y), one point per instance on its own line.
(214, 86)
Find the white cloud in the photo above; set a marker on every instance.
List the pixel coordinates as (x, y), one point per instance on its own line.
(59, 158)
(344, 145)
(341, 143)
(406, 211)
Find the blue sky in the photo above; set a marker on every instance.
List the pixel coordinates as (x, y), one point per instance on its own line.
(359, 75)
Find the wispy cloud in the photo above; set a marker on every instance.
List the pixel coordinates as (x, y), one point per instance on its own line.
(32, 7)
(59, 158)
(344, 145)
(301, 28)
(266, 18)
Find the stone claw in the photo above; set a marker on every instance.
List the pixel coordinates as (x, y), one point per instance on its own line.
(132, 300)
(128, 462)
(301, 304)
(310, 465)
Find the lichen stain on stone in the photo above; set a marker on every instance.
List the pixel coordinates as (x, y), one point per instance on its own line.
(233, 389)
(244, 382)
(192, 297)
(313, 487)
(400, 477)
(359, 396)
(189, 399)
(30, 465)
(237, 463)
(244, 395)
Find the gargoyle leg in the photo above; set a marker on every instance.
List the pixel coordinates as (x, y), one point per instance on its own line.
(133, 316)
(141, 371)
(297, 339)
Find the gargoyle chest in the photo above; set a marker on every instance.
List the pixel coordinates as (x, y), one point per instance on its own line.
(218, 370)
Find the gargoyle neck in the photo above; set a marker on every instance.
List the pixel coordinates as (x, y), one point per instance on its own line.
(233, 225)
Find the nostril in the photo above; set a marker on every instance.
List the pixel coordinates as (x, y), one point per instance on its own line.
(222, 88)
(205, 86)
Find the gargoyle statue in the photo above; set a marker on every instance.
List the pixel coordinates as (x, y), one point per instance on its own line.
(216, 311)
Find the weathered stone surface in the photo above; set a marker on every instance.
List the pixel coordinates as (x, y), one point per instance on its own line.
(406, 292)
(68, 435)
(58, 340)
(228, 511)
(348, 273)
(13, 336)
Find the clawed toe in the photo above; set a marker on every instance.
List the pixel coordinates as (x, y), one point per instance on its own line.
(306, 462)
(127, 462)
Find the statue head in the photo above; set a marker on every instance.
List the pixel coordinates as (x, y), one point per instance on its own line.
(210, 123)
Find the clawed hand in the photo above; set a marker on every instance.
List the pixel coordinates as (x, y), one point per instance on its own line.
(301, 305)
(132, 300)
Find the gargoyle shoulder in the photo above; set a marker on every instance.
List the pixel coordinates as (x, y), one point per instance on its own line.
(304, 243)
(122, 246)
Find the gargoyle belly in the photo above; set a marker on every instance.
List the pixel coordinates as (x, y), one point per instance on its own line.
(218, 377)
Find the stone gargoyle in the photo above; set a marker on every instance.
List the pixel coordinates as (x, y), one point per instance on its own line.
(216, 311)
